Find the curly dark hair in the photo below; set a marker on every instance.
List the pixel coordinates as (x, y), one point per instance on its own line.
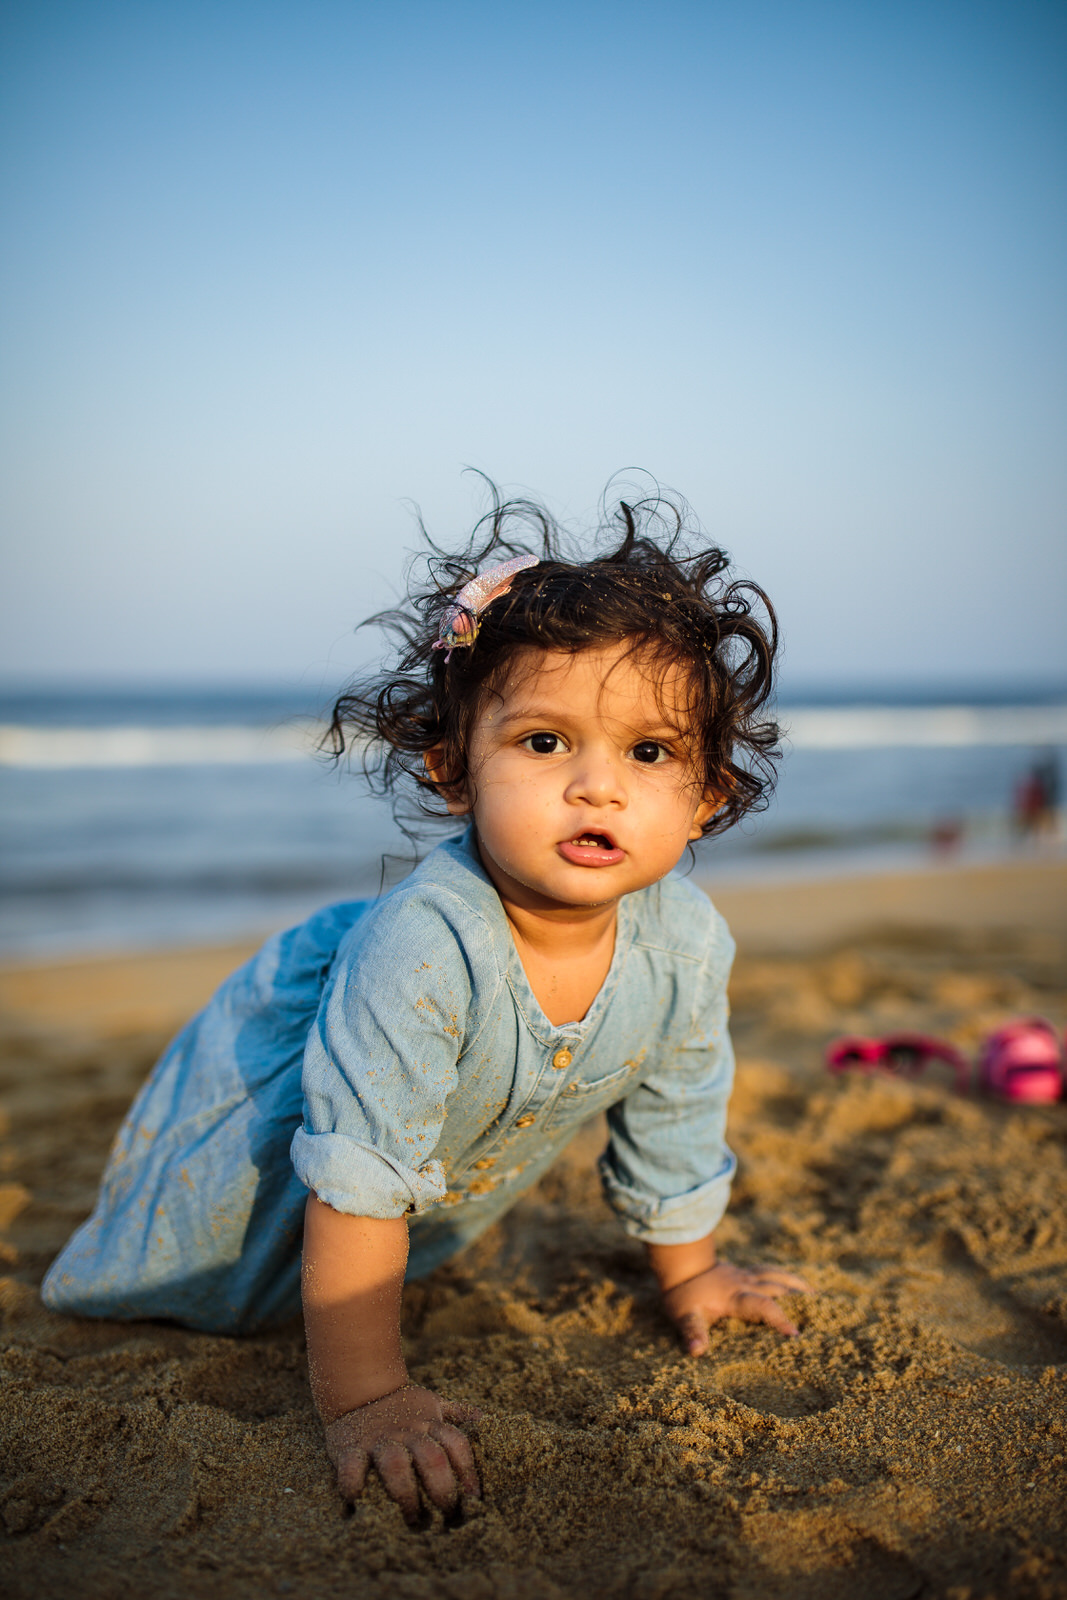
(660, 587)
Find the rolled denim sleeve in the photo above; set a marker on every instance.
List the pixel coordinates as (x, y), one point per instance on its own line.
(380, 1064)
(667, 1169)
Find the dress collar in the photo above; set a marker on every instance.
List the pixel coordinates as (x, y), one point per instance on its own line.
(463, 851)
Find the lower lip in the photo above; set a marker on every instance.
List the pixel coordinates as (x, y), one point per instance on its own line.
(591, 855)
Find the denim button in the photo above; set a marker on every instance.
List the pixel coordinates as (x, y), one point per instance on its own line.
(562, 1059)
(525, 1122)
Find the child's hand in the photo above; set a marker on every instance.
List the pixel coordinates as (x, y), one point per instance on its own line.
(728, 1291)
(410, 1437)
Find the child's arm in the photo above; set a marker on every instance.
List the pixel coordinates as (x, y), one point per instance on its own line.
(353, 1279)
(699, 1290)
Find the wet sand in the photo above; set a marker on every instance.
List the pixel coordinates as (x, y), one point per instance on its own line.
(912, 1442)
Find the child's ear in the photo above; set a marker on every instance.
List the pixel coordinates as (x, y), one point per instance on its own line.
(707, 808)
(454, 795)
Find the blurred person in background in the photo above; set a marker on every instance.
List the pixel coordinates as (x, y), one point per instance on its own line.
(1037, 798)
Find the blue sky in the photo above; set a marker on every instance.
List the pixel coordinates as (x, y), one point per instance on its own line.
(270, 271)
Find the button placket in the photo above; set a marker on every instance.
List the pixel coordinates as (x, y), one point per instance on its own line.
(547, 1089)
(560, 1060)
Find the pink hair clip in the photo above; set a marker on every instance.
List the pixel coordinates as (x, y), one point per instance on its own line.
(460, 623)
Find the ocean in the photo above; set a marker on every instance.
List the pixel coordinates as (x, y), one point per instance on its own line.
(141, 819)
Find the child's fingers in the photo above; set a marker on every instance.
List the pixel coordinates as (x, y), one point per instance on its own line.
(457, 1446)
(772, 1280)
(754, 1307)
(434, 1467)
(459, 1411)
(352, 1466)
(693, 1328)
(398, 1474)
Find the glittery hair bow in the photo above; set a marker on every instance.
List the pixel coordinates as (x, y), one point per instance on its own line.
(460, 623)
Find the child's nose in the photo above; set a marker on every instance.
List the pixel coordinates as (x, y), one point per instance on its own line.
(597, 781)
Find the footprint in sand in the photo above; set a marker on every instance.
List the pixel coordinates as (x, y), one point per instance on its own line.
(770, 1393)
(964, 1304)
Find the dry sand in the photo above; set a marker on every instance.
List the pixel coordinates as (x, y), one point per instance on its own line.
(910, 1443)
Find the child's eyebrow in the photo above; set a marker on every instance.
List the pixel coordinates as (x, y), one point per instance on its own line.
(553, 714)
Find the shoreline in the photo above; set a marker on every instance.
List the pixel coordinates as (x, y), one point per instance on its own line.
(153, 990)
(804, 915)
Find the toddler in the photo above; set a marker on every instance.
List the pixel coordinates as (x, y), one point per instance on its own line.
(376, 1087)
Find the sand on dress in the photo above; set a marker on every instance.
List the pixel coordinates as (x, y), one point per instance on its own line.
(912, 1441)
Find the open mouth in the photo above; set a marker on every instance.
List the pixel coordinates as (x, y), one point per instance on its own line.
(593, 847)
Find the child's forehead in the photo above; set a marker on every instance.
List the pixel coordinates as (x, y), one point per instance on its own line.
(611, 676)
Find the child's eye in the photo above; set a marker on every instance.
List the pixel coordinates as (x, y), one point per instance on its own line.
(649, 752)
(543, 744)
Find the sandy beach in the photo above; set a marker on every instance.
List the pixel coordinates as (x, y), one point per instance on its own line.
(912, 1442)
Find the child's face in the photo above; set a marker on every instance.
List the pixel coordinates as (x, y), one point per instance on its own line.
(584, 787)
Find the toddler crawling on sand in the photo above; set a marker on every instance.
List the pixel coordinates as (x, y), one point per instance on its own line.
(385, 1080)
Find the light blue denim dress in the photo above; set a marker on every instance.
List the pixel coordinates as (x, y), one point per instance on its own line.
(390, 1056)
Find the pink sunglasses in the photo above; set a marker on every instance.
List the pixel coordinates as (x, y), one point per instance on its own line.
(905, 1055)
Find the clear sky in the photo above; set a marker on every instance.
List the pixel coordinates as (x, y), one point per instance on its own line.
(272, 269)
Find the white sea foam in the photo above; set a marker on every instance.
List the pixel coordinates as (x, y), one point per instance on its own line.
(883, 727)
(807, 728)
(43, 747)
